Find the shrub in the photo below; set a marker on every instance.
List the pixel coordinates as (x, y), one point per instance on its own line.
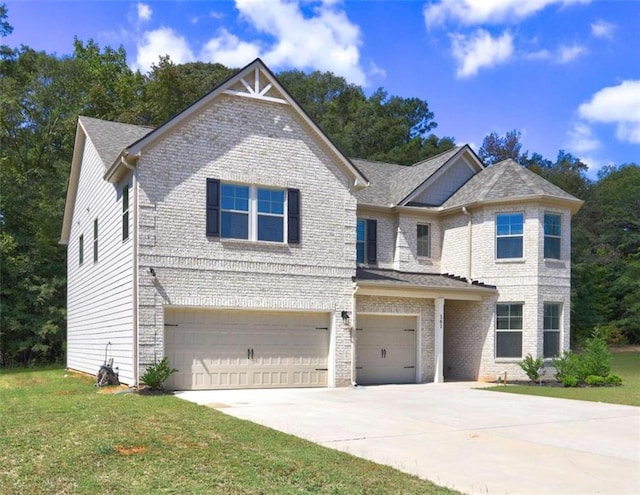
(570, 381)
(532, 367)
(596, 358)
(567, 365)
(155, 375)
(612, 380)
(594, 381)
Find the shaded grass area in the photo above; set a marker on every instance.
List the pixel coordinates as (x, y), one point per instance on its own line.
(626, 364)
(58, 435)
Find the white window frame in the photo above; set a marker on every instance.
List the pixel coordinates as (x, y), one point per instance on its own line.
(511, 236)
(546, 330)
(545, 235)
(428, 241)
(253, 214)
(510, 330)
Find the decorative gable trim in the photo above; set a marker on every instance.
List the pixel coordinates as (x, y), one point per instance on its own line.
(254, 81)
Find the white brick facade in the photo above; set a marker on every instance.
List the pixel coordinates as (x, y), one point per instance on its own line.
(265, 141)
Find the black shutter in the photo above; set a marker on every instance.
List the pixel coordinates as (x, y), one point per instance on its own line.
(372, 241)
(213, 207)
(293, 216)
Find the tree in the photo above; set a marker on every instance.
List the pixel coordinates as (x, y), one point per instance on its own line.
(5, 28)
(496, 148)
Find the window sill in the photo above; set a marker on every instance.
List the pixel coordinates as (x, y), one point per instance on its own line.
(510, 260)
(247, 242)
(508, 360)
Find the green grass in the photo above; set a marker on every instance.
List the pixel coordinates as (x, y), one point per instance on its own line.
(626, 364)
(58, 435)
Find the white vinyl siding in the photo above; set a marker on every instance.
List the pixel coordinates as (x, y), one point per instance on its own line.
(100, 295)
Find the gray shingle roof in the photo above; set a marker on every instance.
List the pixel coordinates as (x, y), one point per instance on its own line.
(376, 276)
(110, 138)
(504, 180)
(391, 183)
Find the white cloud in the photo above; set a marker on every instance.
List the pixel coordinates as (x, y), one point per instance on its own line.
(602, 29)
(160, 42)
(327, 40)
(229, 50)
(480, 50)
(319, 38)
(474, 12)
(144, 12)
(619, 105)
(567, 54)
(563, 55)
(581, 138)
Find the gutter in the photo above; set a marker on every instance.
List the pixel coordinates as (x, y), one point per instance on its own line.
(134, 188)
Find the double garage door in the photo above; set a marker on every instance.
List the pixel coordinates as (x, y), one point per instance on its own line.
(246, 349)
(385, 349)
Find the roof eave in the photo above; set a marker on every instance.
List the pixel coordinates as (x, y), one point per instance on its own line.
(72, 188)
(375, 288)
(574, 204)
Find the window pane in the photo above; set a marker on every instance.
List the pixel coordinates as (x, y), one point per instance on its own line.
(509, 223)
(509, 247)
(509, 344)
(360, 230)
(360, 252)
(551, 224)
(271, 201)
(551, 344)
(424, 241)
(234, 197)
(551, 316)
(270, 228)
(552, 248)
(235, 225)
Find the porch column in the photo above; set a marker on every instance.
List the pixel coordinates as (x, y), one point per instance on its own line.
(439, 340)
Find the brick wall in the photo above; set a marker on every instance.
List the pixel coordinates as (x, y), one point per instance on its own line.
(252, 142)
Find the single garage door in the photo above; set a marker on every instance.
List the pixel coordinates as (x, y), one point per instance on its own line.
(246, 349)
(385, 349)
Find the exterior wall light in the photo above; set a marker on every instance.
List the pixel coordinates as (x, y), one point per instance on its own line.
(345, 317)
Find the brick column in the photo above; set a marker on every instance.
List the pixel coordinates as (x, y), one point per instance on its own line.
(438, 376)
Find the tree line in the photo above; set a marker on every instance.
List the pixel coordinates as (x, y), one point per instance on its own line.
(41, 96)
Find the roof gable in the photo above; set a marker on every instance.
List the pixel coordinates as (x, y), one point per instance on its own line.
(255, 81)
(396, 185)
(508, 181)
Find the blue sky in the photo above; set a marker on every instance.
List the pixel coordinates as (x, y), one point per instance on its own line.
(565, 73)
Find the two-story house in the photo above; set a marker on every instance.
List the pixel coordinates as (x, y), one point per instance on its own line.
(237, 240)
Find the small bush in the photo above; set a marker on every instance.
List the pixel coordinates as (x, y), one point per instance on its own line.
(596, 358)
(570, 381)
(155, 375)
(595, 381)
(567, 365)
(532, 367)
(612, 380)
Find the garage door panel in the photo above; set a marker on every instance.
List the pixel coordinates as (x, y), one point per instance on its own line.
(210, 349)
(386, 349)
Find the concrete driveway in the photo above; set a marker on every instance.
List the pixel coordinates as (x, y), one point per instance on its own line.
(454, 435)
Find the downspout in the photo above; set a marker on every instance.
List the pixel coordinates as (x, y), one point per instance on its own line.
(469, 245)
(353, 337)
(134, 188)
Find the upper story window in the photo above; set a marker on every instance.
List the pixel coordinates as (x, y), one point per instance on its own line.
(95, 240)
(125, 212)
(551, 335)
(509, 234)
(238, 211)
(424, 240)
(552, 235)
(81, 250)
(366, 241)
(509, 330)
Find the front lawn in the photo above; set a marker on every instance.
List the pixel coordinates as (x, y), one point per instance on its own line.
(626, 364)
(58, 435)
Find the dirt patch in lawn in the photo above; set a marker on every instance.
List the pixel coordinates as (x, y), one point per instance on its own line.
(112, 389)
(140, 449)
